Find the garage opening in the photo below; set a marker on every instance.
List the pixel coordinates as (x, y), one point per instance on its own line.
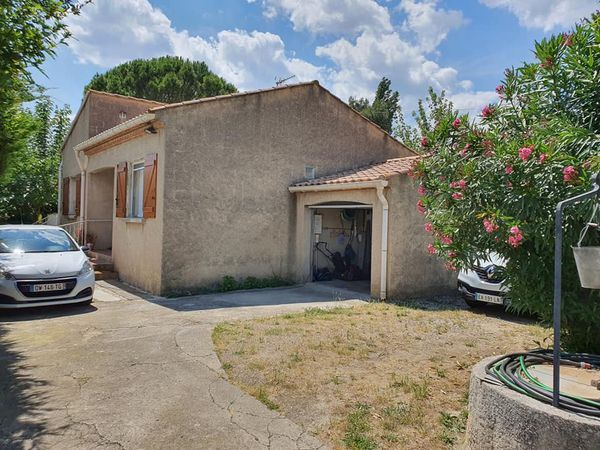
(341, 244)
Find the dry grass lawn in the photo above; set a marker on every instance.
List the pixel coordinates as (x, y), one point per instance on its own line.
(373, 376)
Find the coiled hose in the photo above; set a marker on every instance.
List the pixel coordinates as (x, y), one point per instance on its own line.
(512, 370)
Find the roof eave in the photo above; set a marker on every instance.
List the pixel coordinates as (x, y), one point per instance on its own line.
(339, 186)
(113, 132)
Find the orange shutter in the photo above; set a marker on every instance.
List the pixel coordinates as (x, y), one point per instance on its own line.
(150, 176)
(121, 200)
(78, 196)
(65, 196)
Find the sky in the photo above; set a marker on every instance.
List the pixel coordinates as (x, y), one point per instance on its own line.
(460, 46)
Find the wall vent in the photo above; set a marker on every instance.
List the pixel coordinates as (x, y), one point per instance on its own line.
(122, 115)
(309, 172)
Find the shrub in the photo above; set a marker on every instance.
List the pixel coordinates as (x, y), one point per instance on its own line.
(492, 184)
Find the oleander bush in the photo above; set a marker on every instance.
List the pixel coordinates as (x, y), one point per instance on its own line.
(491, 183)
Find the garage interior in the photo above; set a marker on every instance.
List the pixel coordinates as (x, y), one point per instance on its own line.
(341, 244)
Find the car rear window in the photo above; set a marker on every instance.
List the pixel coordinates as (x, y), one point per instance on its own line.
(35, 241)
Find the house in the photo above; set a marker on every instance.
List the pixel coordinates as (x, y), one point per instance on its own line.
(247, 184)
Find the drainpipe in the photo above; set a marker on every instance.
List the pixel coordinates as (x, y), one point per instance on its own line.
(82, 161)
(384, 242)
(60, 191)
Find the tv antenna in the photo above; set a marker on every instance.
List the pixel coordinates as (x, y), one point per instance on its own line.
(280, 81)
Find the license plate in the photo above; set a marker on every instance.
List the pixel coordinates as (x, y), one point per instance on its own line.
(49, 287)
(489, 298)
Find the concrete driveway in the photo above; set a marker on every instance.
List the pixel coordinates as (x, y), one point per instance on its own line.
(135, 371)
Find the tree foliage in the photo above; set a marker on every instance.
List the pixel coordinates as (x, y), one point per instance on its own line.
(491, 185)
(30, 31)
(385, 108)
(28, 189)
(429, 112)
(167, 79)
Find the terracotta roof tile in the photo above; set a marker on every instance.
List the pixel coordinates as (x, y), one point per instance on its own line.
(373, 172)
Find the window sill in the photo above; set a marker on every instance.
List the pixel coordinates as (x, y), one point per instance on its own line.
(134, 220)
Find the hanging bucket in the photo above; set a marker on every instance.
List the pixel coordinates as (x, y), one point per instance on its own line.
(588, 259)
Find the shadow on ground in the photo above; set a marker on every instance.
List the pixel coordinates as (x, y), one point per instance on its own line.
(456, 303)
(307, 293)
(22, 414)
(44, 312)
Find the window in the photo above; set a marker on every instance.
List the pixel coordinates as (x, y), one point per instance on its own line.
(18, 240)
(137, 190)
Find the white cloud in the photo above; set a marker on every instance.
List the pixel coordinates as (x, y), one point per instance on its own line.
(114, 31)
(472, 101)
(430, 24)
(331, 16)
(546, 14)
(360, 66)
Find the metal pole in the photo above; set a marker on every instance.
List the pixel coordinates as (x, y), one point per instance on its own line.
(558, 238)
(558, 235)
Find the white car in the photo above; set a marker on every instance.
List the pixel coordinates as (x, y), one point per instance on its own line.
(483, 283)
(41, 266)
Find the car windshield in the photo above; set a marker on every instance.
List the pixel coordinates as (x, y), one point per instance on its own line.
(42, 240)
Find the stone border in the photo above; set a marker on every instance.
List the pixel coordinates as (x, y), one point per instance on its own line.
(500, 418)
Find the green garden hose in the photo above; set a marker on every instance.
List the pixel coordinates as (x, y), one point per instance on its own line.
(513, 371)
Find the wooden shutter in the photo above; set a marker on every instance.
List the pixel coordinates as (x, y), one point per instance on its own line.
(150, 177)
(78, 196)
(121, 199)
(65, 196)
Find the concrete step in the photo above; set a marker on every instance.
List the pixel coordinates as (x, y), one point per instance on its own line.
(106, 275)
(102, 266)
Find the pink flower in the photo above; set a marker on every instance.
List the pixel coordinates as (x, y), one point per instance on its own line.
(487, 111)
(488, 147)
(428, 227)
(451, 254)
(431, 249)
(457, 196)
(446, 240)
(514, 240)
(509, 184)
(543, 158)
(424, 141)
(489, 226)
(569, 174)
(500, 90)
(450, 267)
(456, 123)
(525, 153)
(421, 207)
(462, 184)
(567, 39)
(421, 190)
(508, 170)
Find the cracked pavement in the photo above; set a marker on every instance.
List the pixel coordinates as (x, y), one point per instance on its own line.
(138, 371)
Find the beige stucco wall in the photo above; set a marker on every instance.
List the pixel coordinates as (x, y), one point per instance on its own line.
(411, 270)
(230, 163)
(136, 245)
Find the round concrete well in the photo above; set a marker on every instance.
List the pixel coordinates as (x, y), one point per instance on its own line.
(500, 418)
